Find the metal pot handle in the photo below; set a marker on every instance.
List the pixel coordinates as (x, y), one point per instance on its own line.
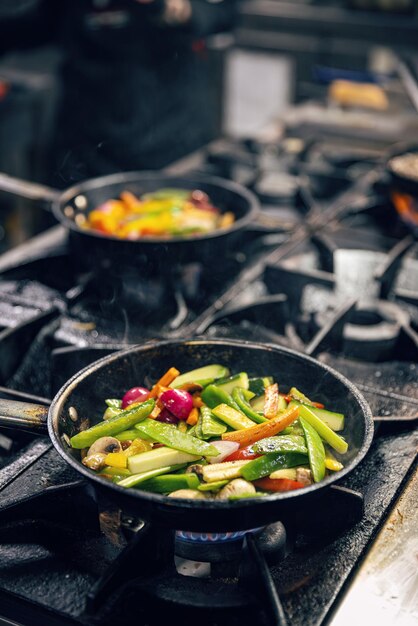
(24, 415)
(26, 189)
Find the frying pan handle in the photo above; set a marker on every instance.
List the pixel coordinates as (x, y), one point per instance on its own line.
(24, 415)
(26, 189)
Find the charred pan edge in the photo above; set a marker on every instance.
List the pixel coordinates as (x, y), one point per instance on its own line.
(67, 389)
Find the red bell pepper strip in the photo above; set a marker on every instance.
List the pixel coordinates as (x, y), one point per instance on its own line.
(242, 454)
(278, 484)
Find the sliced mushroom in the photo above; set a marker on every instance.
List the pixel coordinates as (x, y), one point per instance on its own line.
(95, 461)
(190, 494)
(237, 487)
(105, 445)
(304, 476)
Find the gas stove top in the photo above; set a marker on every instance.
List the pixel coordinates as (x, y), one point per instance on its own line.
(327, 270)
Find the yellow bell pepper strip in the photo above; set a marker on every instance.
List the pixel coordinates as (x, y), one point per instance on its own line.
(259, 431)
(209, 425)
(331, 462)
(212, 396)
(267, 464)
(271, 401)
(232, 417)
(335, 441)
(117, 459)
(245, 407)
(316, 451)
(112, 426)
(137, 479)
(171, 482)
(170, 436)
(281, 443)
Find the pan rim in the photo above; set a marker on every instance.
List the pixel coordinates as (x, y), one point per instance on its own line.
(93, 183)
(209, 504)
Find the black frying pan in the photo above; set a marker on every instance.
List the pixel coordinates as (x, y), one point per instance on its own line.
(154, 255)
(114, 374)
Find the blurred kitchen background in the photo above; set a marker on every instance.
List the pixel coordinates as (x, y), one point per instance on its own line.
(285, 58)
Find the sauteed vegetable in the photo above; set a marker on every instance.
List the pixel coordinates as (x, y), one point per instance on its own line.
(163, 213)
(208, 434)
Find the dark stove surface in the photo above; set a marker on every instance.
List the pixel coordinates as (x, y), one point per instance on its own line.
(329, 271)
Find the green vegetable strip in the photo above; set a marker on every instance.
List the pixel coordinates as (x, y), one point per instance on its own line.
(112, 426)
(232, 417)
(265, 465)
(209, 425)
(212, 396)
(170, 436)
(136, 479)
(245, 407)
(334, 420)
(281, 443)
(114, 403)
(127, 435)
(171, 482)
(215, 486)
(335, 441)
(316, 451)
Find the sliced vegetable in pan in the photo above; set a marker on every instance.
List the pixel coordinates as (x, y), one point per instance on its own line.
(207, 433)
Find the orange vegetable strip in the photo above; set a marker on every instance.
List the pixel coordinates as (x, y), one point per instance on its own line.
(318, 405)
(247, 436)
(271, 401)
(164, 381)
(192, 417)
(197, 401)
(129, 199)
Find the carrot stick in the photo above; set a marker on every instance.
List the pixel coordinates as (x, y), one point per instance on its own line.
(192, 417)
(248, 436)
(197, 401)
(164, 381)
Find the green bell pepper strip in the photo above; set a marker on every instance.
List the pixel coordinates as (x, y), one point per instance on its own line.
(137, 479)
(209, 425)
(316, 451)
(170, 436)
(265, 465)
(171, 482)
(281, 443)
(235, 419)
(335, 441)
(212, 396)
(113, 426)
(245, 407)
